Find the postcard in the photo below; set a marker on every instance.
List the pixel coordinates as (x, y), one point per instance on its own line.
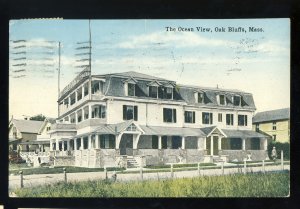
(149, 108)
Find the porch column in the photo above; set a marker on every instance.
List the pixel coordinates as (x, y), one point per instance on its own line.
(76, 119)
(183, 142)
(204, 145)
(82, 90)
(68, 145)
(75, 144)
(118, 140)
(97, 141)
(265, 143)
(63, 145)
(81, 144)
(136, 141)
(159, 142)
(219, 142)
(199, 143)
(76, 96)
(211, 145)
(90, 111)
(90, 142)
(244, 144)
(57, 145)
(69, 101)
(82, 114)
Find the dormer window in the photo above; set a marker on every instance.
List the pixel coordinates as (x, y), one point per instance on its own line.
(222, 99)
(199, 97)
(131, 89)
(97, 87)
(169, 93)
(153, 91)
(237, 100)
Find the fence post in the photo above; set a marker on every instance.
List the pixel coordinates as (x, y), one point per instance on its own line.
(245, 166)
(198, 169)
(263, 166)
(141, 172)
(21, 179)
(282, 168)
(65, 175)
(172, 174)
(105, 171)
(222, 167)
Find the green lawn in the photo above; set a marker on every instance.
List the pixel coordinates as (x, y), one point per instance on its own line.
(69, 169)
(237, 185)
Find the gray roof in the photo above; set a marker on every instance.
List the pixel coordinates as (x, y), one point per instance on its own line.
(136, 75)
(27, 126)
(115, 87)
(243, 134)
(158, 130)
(207, 130)
(272, 115)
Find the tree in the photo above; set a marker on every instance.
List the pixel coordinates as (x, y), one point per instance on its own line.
(39, 117)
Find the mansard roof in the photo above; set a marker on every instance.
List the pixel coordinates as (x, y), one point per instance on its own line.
(272, 115)
(115, 87)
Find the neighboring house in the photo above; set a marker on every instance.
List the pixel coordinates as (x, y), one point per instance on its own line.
(28, 134)
(104, 117)
(275, 123)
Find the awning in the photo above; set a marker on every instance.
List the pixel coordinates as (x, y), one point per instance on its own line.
(172, 131)
(243, 134)
(35, 143)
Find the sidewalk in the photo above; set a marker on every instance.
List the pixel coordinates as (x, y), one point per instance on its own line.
(43, 179)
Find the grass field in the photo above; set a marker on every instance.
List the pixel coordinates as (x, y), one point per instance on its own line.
(237, 185)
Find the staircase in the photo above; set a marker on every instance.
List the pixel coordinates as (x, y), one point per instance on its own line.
(217, 159)
(132, 163)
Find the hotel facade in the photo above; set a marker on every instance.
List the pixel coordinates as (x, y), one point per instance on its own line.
(139, 119)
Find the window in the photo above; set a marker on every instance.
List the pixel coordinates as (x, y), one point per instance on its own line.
(154, 142)
(235, 143)
(165, 92)
(229, 119)
(242, 120)
(130, 112)
(132, 127)
(274, 137)
(222, 99)
(66, 102)
(97, 87)
(86, 89)
(72, 98)
(79, 94)
(255, 144)
(48, 128)
(169, 115)
(131, 89)
(15, 132)
(207, 118)
(200, 97)
(189, 116)
(85, 142)
(237, 100)
(98, 111)
(274, 126)
(257, 127)
(220, 117)
(107, 141)
(153, 91)
(164, 142)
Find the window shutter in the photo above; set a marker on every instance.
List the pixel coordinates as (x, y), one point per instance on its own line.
(135, 116)
(246, 120)
(124, 112)
(194, 116)
(164, 115)
(174, 115)
(211, 118)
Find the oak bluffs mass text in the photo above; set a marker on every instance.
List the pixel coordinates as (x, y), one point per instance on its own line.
(215, 29)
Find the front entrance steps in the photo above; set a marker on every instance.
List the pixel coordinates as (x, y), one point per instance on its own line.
(217, 159)
(132, 163)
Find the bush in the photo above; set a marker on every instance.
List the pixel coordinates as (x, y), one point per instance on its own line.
(279, 146)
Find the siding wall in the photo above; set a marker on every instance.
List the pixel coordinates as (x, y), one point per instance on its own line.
(281, 132)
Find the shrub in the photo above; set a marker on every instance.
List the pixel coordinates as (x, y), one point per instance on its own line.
(279, 146)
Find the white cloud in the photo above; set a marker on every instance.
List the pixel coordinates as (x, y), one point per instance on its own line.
(176, 39)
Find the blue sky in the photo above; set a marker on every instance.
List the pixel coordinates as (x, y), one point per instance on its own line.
(255, 62)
